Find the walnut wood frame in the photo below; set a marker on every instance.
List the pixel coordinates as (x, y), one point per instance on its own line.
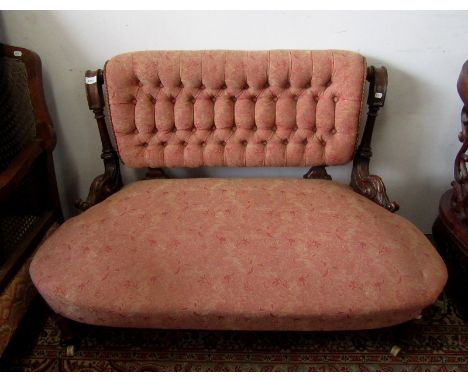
(371, 186)
(111, 181)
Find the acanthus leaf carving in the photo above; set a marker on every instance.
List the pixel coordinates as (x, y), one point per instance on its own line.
(371, 186)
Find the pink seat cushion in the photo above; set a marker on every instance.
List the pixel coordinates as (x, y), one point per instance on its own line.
(254, 254)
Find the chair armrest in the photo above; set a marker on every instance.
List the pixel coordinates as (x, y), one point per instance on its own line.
(111, 181)
(371, 186)
(12, 176)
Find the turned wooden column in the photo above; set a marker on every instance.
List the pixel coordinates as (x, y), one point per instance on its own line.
(450, 229)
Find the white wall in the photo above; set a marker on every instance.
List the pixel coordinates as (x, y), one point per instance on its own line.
(416, 135)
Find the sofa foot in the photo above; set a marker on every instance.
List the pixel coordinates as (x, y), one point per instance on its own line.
(70, 350)
(68, 334)
(395, 350)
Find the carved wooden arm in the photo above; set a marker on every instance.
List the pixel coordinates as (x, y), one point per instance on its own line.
(111, 181)
(371, 186)
(460, 184)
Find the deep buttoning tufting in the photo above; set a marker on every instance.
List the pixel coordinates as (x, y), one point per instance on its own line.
(235, 108)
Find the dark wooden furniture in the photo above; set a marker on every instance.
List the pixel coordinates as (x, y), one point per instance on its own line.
(29, 202)
(450, 229)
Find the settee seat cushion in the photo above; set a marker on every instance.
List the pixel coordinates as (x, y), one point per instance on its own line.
(250, 254)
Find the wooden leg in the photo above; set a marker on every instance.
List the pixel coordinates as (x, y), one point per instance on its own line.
(455, 258)
(69, 337)
(395, 350)
(400, 338)
(438, 234)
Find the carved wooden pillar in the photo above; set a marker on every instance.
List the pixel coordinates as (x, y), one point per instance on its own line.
(111, 181)
(371, 186)
(460, 184)
(450, 229)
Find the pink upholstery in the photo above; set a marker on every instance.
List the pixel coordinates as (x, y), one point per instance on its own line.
(234, 108)
(238, 254)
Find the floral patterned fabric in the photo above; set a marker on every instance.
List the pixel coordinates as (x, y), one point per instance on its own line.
(253, 254)
(235, 108)
(16, 297)
(437, 342)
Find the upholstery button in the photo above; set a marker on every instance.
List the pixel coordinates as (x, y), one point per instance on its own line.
(305, 141)
(275, 99)
(295, 98)
(174, 129)
(264, 143)
(172, 99)
(223, 143)
(164, 144)
(144, 144)
(335, 99)
(185, 144)
(192, 99)
(254, 99)
(285, 141)
(213, 128)
(202, 87)
(140, 84)
(193, 129)
(333, 131)
(203, 144)
(322, 142)
(234, 128)
(254, 128)
(316, 98)
(134, 101)
(328, 84)
(153, 100)
(161, 85)
(295, 128)
(213, 99)
(274, 128)
(245, 86)
(233, 99)
(244, 143)
(224, 86)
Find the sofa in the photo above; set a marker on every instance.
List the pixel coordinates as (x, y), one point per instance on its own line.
(237, 254)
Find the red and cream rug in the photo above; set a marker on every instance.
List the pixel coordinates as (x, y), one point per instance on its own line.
(438, 342)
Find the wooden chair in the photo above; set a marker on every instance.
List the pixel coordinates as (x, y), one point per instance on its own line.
(29, 203)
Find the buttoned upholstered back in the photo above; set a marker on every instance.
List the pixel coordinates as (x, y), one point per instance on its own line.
(235, 108)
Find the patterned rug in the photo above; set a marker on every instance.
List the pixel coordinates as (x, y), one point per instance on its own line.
(438, 342)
